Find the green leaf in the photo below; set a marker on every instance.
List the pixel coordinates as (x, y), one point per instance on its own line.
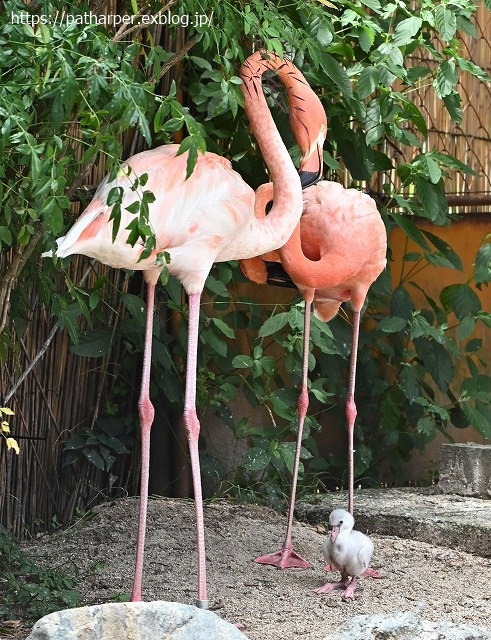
(242, 362)
(363, 458)
(367, 82)
(287, 453)
(433, 169)
(284, 402)
(202, 63)
(478, 387)
(76, 442)
(356, 153)
(408, 383)
(473, 345)
(274, 324)
(477, 419)
(436, 360)
(421, 327)
(392, 325)
(217, 287)
(324, 33)
(461, 299)
(446, 78)
(466, 327)
(483, 265)
(337, 74)
(95, 458)
(366, 37)
(433, 200)
(256, 459)
(215, 342)
(410, 229)
(453, 102)
(474, 69)
(446, 22)
(5, 236)
(93, 344)
(401, 304)
(135, 306)
(406, 30)
(224, 328)
(374, 123)
(445, 249)
(426, 427)
(390, 410)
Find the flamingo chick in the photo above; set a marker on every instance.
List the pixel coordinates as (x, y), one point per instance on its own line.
(347, 551)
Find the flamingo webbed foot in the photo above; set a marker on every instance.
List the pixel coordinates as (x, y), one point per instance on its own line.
(329, 587)
(284, 559)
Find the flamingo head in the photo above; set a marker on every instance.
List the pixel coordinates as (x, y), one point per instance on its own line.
(309, 124)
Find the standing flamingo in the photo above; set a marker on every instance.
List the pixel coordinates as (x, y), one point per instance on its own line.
(210, 217)
(334, 255)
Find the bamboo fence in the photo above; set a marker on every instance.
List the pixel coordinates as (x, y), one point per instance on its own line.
(470, 141)
(63, 393)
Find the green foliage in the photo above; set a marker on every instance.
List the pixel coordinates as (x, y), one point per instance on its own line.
(28, 590)
(68, 94)
(100, 445)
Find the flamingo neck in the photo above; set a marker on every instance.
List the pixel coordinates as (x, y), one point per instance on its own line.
(287, 204)
(322, 273)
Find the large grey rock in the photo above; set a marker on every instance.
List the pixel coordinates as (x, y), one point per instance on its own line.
(465, 469)
(405, 625)
(134, 621)
(423, 514)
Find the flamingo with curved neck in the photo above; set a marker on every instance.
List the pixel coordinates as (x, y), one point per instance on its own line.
(334, 255)
(210, 217)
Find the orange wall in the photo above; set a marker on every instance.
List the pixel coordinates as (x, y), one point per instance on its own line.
(465, 238)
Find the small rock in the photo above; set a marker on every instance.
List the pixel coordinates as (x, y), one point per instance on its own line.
(405, 625)
(465, 469)
(134, 621)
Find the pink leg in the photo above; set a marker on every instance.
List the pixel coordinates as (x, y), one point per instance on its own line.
(351, 417)
(332, 586)
(146, 412)
(351, 408)
(192, 426)
(349, 594)
(287, 558)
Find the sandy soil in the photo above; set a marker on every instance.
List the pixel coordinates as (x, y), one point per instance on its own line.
(438, 583)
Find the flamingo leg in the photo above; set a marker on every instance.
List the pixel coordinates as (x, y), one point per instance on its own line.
(287, 558)
(351, 408)
(192, 426)
(349, 594)
(332, 586)
(147, 413)
(350, 417)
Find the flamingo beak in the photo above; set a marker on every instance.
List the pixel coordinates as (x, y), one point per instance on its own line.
(334, 533)
(311, 164)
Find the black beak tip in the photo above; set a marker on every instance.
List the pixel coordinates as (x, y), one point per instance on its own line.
(309, 178)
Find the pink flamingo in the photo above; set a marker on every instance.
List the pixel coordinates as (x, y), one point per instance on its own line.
(334, 255)
(210, 217)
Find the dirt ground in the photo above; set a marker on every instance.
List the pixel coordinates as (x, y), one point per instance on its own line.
(436, 582)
